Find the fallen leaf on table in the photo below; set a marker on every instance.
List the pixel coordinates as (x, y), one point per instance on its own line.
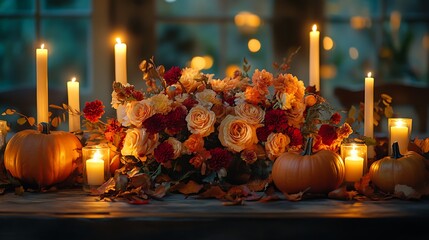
(137, 201)
(160, 192)
(270, 195)
(406, 192)
(140, 180)
(19, 190)
(259, 184)
(212, 192)
(2, 190)
(295, 196)
(342, 194)
(236, 202)
(364, 187)
(190, 187)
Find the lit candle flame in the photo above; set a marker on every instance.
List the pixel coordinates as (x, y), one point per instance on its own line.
(369, 74)
(314, 27)
(353, 152)
(73, 79)
(42, 46)
(400, 123)
(97, 155)
(118, 40)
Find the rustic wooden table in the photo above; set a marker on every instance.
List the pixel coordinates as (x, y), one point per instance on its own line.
(72, 214)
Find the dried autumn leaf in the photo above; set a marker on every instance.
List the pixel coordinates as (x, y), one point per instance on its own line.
(55, 106)
(19, 190)
(259, 184)
(236, 202)
(212, 192)
(21, 121)
(160, 192)
(9, 111)
(190, 187)
(406, 192)
(363, 186)
(296, 196)
(342, 194)
(55, 122)
(140, 180)
(31, 121)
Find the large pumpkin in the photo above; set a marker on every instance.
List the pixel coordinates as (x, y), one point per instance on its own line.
(408, 169)
(40, 158)
(321, 172)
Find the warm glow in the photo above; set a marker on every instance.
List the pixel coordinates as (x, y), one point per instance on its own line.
(314, 28)
(254, 45)
(97, 155)
(359, 22)
(353, 53)
(73, 79)
(395, 20)
(208, 62)
(43, 46)
(400, 123)
(425, 41)
(198, 62)
(230, 70)
(353, 152)
(369, 74)
(328, 71)
(328, 43)
(118, 40)
(247, 19)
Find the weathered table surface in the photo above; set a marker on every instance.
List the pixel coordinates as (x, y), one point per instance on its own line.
(72, 214)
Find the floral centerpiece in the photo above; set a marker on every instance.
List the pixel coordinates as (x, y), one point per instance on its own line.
(188, 125)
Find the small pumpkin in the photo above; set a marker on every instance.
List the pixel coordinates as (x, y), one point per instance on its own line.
(42, 158)
(408, 169)
(321, 172)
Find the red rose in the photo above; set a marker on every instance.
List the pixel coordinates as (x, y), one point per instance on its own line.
(328, 134)
(93, 111)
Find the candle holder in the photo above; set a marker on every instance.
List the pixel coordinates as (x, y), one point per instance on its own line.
(399, 131)
(355, 160)
(3, 133)
(96, 162)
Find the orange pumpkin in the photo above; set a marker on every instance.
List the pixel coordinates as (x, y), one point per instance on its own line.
(321, 172)
(408, 169)
(40, 158)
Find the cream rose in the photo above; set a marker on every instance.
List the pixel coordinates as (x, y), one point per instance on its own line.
(139, 143)
(139, 111)
(237, 134)
(177, 147)
(201, 121)
(252, 113)
(161, 103)
(276, 145)
(207, 98)
(121, 115)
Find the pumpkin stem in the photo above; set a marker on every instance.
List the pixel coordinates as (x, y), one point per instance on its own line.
(43, 127)
(395, 151)
(308, 149)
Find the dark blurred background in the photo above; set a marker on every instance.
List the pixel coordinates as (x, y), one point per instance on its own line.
(388, 38)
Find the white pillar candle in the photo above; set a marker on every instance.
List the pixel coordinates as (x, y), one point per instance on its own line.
(42, 84)
(120, 62)
(354, 166)
(95, 170)
(369, 111)
(74, 104)
(314, 75)
(399, 133)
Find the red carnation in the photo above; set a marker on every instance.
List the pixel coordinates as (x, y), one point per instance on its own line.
(295, 135)
(175, 120)
(276, 119)
(173, 75)
(220, 158)
(189, 103)
(163, 152)
(335, 118)
(93, 110)
(262, 133)
(137, 95)
(328, 134)
(155, 124)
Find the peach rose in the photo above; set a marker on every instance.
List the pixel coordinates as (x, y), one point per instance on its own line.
(188, 81)
(161, 103)
(177, 147)
(195, 143)
(237, 134)
(139, 143)
(252, 113)
(139, 111)
(276, 145)
(201, 121)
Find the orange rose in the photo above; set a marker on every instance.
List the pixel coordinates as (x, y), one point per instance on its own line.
(276, 145)
(201, 121)
(237, 134)
(252, 113)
